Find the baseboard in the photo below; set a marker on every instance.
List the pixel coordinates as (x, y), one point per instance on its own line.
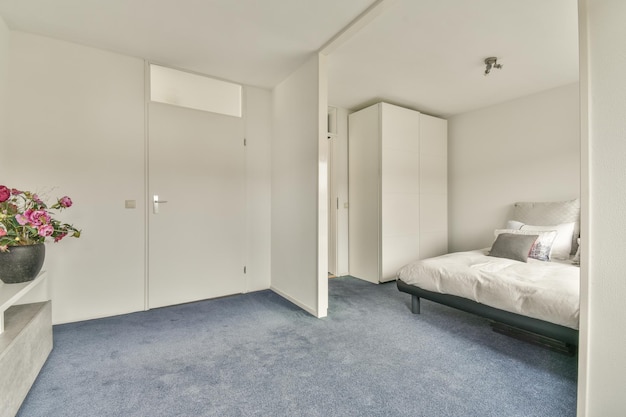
(292, 300)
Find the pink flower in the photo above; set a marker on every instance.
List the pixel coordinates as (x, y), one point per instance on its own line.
(59, 237)
(39, 217)
(23, 219)
(45, 230)
(65, 202)
(5, 193)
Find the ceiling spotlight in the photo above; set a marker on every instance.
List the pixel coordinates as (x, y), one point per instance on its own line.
(491, 62)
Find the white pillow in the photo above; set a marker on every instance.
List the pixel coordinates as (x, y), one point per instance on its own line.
(542, 248)
(562, 246)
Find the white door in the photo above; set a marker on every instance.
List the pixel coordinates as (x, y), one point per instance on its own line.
(197, 230)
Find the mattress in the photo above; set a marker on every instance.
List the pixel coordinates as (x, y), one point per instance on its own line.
(547, 291)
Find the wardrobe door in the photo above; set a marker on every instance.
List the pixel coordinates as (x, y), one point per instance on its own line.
(400, 195)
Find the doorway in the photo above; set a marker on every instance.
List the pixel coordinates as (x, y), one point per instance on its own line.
(338, 191)
(196, 221)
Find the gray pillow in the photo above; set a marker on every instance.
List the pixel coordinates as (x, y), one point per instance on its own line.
(513, 246)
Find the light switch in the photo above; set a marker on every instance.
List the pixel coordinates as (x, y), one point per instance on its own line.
(346, 205)
(130, 204)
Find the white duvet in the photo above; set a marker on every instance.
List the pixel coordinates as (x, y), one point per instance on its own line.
(543, 290)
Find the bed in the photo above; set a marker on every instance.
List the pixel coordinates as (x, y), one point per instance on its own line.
(528, 283)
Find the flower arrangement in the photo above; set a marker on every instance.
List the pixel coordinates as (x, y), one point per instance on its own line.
(26, 220)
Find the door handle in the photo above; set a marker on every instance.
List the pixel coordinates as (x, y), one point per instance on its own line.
(156, 202)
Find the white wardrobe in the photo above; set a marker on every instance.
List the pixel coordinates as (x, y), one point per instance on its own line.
(397, 161)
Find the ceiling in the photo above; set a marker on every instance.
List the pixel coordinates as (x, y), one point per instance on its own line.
(429, 54)
(423, 54)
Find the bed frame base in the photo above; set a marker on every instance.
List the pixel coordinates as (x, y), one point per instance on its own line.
(558, 333)
(534, 338)
(415, 304)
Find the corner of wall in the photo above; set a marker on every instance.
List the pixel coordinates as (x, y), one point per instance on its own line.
(4, 84)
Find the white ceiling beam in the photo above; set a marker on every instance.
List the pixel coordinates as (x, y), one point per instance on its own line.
(362, 20)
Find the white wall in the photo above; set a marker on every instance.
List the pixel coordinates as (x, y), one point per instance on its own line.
(602, 370)
(4, 85)
(76, 119)
(523, 150)
(258, 114)
(299, 152)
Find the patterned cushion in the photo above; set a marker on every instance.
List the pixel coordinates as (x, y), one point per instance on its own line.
(562, 246)
(549, 213)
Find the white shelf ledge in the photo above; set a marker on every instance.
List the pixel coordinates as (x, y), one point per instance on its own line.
(21, 293)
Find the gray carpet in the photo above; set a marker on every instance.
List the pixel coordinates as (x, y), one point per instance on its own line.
(258, 355)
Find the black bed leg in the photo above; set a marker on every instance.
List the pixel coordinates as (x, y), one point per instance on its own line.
(415, 304)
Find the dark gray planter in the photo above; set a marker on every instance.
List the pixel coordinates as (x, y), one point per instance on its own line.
(21, 263)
